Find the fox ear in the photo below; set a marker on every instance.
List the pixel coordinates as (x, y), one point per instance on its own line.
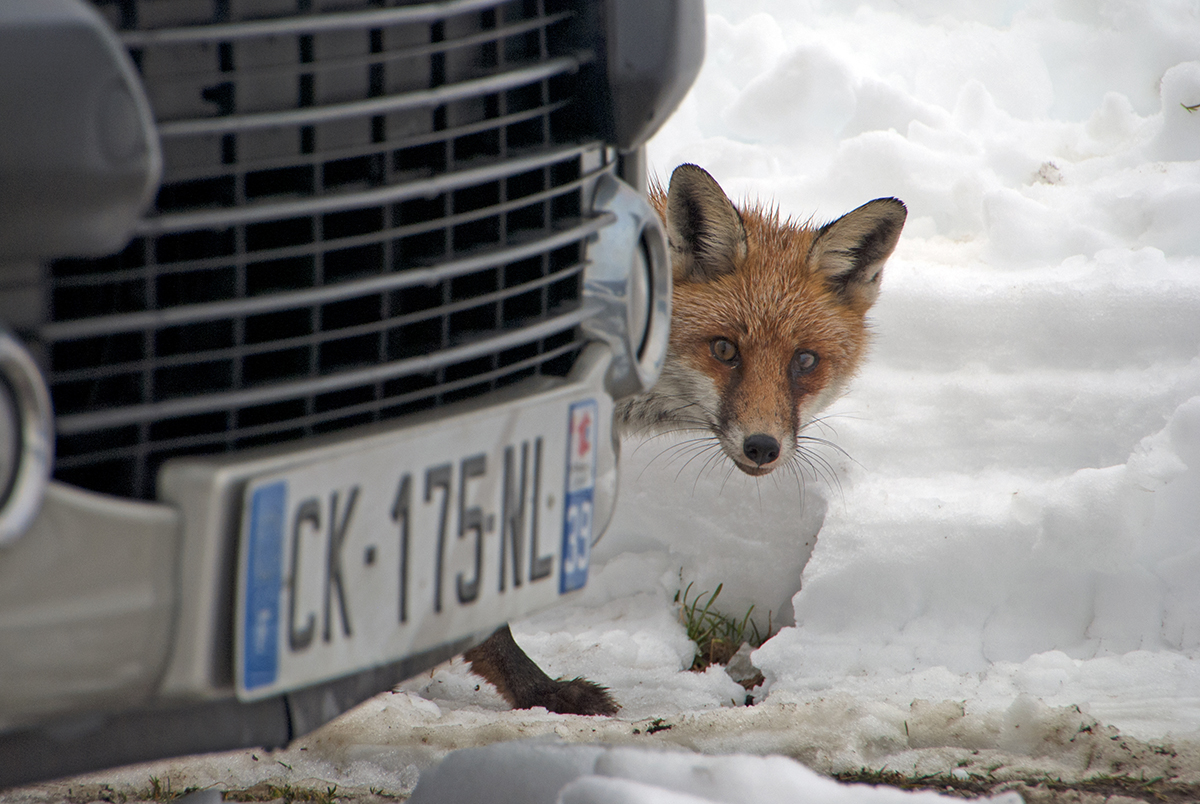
(851, 251)
(704, 229)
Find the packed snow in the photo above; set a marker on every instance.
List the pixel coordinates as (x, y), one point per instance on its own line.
(999, 568)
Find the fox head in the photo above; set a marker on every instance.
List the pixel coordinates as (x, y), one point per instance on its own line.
(768, 321)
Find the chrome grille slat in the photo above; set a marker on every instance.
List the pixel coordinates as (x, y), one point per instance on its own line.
(405, 52)
(306, 23)
(340, 243)
(378, 149)
(363, 213)
(319, 337)
(71, 424)
(309, 116)
(220, 219)
(190, 314)
(317, 419)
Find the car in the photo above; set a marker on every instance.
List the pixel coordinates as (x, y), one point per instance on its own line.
(312, 318)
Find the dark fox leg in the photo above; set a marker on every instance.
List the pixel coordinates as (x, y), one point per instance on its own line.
(500, 660)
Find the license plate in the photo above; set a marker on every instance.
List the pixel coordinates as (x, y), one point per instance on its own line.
(424, 536)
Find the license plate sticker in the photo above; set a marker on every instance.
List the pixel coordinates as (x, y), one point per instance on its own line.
(365, 553)
(578, 498)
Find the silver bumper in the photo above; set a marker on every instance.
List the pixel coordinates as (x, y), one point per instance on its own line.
(108, 605)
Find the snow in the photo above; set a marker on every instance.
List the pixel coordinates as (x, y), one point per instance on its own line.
(1001, 572)
(531, 773)
(1019, 514)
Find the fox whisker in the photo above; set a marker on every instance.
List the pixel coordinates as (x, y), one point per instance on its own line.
(713, 454)
(688, 454)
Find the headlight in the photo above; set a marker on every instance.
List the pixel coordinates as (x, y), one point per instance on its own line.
(628, 286)
(26, 439)
(79, 154)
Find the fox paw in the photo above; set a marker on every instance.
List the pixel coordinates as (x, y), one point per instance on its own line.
(577, 697)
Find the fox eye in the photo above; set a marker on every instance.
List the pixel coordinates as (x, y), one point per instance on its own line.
(803, 362)
(724, 350)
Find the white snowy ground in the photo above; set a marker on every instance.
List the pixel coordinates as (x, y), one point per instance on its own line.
(1008, 570)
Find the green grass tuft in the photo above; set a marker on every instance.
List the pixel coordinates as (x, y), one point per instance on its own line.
(717, 636)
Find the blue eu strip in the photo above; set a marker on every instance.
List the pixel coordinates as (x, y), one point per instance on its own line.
(264, 578)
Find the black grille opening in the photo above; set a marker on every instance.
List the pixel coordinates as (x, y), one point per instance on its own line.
(279, 234)
(475, 234)
(343, 422)
(518, 309)
(91, 352)
(523, 272)
(419, 210)
(283, 325)
(477, 284)
(472, 324)
(565, 206)
(81, 396)
(193, 379)
(265, 439)
(469, 368)
(510, 356)
(413, 340)
(478, 197)
(271, 414)
(407, 408)
(414, 299)
(280, 181)
(220, 191)
(349, 224)
(205, 336)
(422, 160)
(420, 249)
(524, 184)
(485, 143)
(349, 263)
(351, 312)
(361, 350)
(189, 426)
(530, 218)
(275, 365)
(365, 170)
(193, 246)
(69, 446)
(86, 301)
(344, 399)
(196, 287)
(275, 276)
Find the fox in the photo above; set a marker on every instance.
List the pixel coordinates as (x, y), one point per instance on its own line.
(768, 327)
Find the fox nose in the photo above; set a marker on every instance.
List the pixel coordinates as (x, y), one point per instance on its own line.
(760, 448)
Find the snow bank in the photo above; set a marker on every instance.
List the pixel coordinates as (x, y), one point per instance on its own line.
(1020, 514)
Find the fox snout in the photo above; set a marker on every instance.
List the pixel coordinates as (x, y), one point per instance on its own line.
(761, 449)
(759, 454)
(755, 443)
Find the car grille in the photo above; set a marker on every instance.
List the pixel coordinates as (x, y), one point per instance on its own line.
(364, 212)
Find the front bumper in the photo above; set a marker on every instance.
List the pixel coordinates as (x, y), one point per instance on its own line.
(116, 636)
